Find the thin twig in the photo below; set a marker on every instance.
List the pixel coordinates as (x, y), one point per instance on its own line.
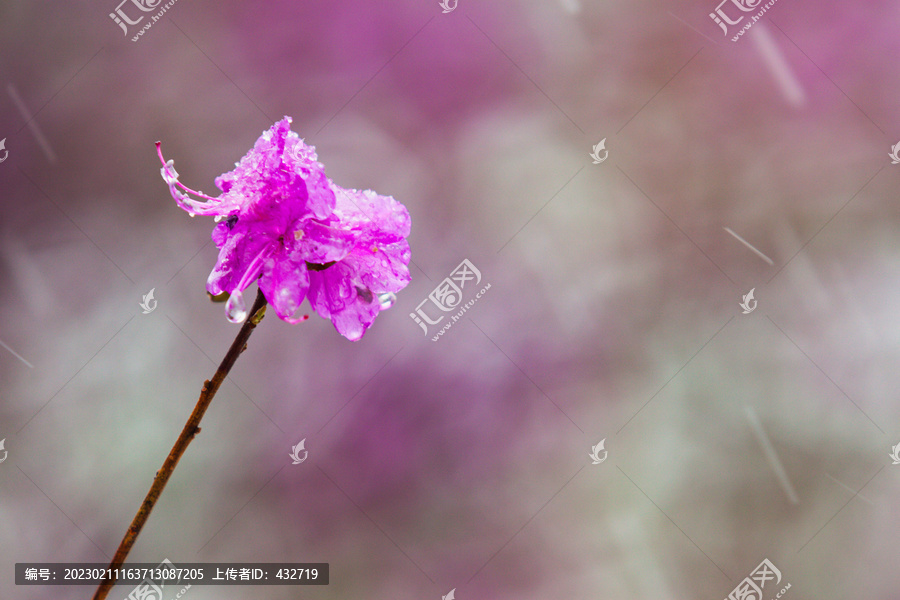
(191, 428)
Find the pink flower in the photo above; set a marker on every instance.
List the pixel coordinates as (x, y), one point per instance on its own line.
(280, 224)
(357, 287)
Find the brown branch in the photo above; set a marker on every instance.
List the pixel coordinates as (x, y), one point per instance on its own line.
(191, 428)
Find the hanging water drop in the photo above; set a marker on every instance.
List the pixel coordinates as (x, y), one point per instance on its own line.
(386, 300)
(236, 308)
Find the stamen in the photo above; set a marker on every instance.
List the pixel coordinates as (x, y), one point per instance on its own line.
(170, 175)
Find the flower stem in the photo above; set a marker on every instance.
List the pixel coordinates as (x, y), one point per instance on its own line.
(191, 428)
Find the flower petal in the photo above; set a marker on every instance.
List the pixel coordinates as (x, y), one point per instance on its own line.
(284, 284)
(335, 294)
(235, 257)
(319, 242)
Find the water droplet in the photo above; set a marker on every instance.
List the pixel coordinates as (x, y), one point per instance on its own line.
(236, 308)
(386, 300)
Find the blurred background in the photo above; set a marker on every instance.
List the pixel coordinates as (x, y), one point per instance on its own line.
(613, 313)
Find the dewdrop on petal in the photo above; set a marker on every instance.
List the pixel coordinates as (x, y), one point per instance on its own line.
(387, 300)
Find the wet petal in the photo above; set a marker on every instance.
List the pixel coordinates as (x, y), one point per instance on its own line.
(320, 243)
(235, 257)
(284, 283)
(334, 295)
